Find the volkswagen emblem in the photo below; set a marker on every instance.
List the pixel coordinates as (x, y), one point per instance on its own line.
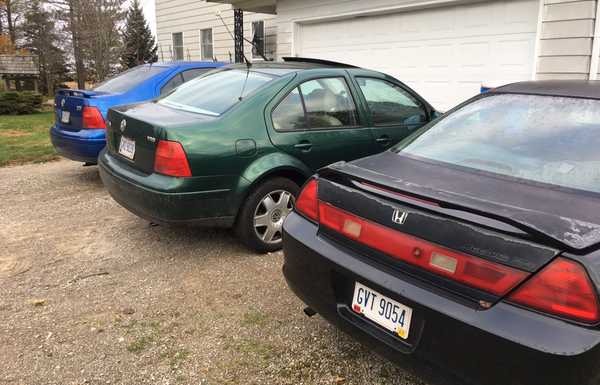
(62, 103)
(123, 125)
(399, 217)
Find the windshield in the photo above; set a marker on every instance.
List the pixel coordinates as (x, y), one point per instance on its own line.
(129, 79)
(216, 92)
(553, 140)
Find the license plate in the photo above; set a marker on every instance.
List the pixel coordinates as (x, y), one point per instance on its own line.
(127, 147)
(382, 310)
(65, 116)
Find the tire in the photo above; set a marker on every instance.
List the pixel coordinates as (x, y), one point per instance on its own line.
(264, 235)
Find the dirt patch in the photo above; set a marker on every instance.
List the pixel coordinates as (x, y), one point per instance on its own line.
(91, 294)
(14, 133)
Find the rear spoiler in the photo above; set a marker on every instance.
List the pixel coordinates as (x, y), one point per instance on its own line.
(77, 93)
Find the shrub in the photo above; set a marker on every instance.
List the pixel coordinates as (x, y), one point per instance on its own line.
(20, 103)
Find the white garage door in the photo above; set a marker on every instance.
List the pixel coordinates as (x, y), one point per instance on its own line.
(444, 53)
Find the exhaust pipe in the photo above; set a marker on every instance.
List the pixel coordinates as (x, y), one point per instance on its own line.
(309, 312)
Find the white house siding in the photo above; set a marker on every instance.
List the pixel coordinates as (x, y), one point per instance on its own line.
(566, 39)
(190, 16)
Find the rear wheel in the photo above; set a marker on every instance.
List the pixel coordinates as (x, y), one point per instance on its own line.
(260, 222)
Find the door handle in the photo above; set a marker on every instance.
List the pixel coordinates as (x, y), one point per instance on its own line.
(384, 140)
(304, 146)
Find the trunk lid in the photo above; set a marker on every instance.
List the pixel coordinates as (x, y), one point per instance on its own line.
(145, 125)
(68, 107)
(561, 217)
(376, 197)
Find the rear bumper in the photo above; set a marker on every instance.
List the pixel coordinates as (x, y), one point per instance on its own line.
(502, 345)
(81, 146)
(143, 196)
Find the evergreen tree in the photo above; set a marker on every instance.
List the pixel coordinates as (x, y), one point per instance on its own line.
(140, 46)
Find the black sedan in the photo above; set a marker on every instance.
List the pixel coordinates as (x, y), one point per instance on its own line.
(474, 244)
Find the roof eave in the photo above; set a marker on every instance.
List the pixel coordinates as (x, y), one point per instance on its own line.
(258, 6)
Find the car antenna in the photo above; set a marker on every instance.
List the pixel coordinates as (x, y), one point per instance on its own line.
(262, 55)
(248, 62)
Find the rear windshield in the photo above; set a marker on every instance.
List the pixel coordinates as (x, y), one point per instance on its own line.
(129, 79)
(216, 92)
(553, 140)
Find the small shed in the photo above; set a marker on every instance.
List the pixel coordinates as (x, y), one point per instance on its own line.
(19, 72)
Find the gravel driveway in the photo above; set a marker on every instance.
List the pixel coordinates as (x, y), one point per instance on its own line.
(90, 294)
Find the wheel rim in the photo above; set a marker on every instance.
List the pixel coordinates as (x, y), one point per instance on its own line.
(270, 213)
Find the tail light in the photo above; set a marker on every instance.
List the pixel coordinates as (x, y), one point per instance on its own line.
(563, 289)
(307, 203)
(170, 159)
(467, 269)
(92, 118)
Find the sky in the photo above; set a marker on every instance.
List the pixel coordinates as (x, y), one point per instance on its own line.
(150, 13)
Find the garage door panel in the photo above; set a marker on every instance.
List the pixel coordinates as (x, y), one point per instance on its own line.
(444, 53)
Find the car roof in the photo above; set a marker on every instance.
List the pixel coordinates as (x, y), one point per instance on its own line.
(589, 89)
(281, 68)
(194, 64)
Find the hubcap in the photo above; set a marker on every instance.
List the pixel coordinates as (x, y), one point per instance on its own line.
(270, 214)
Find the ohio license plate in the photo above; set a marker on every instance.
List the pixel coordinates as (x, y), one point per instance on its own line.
(382, 310)
(65, 116)
(127, 147)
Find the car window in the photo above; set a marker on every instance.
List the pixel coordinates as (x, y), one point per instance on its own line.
(328, 103)
(289, 114)
(194, 73)
(129, 79)
(553, 140)
(390, 104)
(173, 83)
(216, 92)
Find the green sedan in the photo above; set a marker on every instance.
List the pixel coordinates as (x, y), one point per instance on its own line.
(233, 147)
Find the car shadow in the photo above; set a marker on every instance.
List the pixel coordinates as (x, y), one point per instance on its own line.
(88, 175)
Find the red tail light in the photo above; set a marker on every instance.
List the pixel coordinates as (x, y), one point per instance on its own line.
(564, 289)
(467, 269)
(92, 118)
(170, 159)
(307, 203)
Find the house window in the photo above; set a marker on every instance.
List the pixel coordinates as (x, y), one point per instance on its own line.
(178, 46)
(258, 39)
(206, 44)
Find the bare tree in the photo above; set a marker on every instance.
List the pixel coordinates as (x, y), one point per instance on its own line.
(70, 13)
(41, 36)
(12, 11)
(102, 44)
(93, 27)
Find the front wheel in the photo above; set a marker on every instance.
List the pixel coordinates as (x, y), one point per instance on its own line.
(260, 222)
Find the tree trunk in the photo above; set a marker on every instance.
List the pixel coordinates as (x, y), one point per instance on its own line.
(77, 52)
(11, 26)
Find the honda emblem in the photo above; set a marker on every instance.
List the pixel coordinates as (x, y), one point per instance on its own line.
(399, 217)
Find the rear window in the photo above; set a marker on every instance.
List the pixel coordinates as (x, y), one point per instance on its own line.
(552, 140)
(216, 93)
(129, 79)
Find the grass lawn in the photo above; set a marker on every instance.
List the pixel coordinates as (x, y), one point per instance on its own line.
(26, 138)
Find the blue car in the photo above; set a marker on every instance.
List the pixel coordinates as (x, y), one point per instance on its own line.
(79, 132)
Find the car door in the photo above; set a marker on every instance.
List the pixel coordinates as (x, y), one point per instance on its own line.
(317, 121)
(394, 111)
